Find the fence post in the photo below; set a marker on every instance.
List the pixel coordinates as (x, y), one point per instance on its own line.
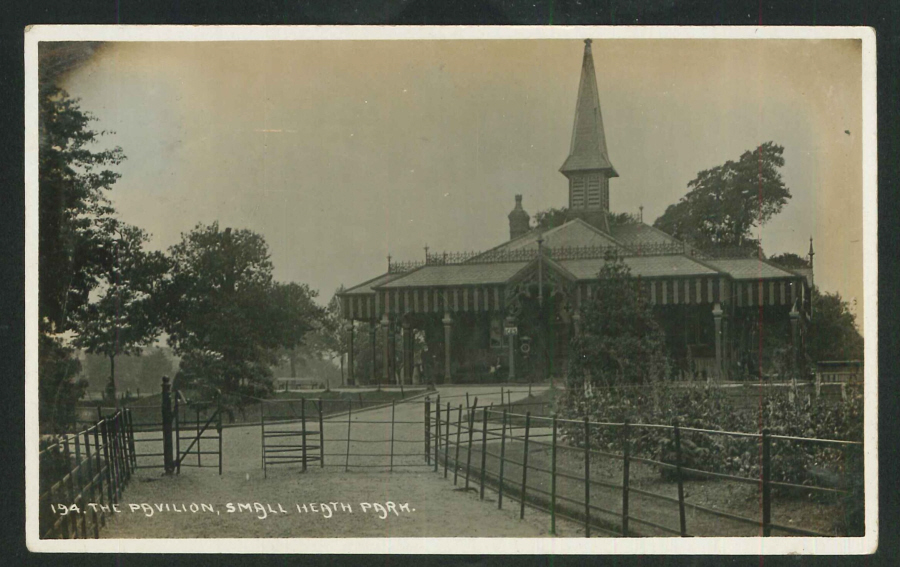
(303, 432)
(99, 465)
(502, 459)
(70, 488)
(219, 429)
(114, 455)
(484, 426)
(131, 438)
(553, 480)
(471, 431)
(766, 486)
(168, 463)
(349, 422)
(177, 434)
(199, 462)
(126, 446)
(437, 430)
(321, 437)
(393, 413)
(262, 436)
(90, 485)
(458, 434)
(525, 463)
(587, 477)
(109, 475)
(80, 479)
(447, 441)
(626, 449)
(427, 430)
(680, 478)
(122, 453)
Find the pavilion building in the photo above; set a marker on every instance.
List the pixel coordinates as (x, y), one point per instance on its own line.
(508, 314)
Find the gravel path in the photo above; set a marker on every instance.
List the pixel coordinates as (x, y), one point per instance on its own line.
(289, 503)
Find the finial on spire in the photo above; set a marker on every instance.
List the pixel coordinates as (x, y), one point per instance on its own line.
(811, 252)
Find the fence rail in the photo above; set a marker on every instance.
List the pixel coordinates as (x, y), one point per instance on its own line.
(82, 476)
(546, 460)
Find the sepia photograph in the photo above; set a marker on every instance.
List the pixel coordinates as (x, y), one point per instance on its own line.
(451, 290)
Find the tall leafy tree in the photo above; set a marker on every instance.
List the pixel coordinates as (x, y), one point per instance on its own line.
(73, 177)
(331, 340)
(123, 318)
(73, 207)
(725, 203)
(833, 334)
(216, 311)
(226, 317)
(620, 340)
(297, 318)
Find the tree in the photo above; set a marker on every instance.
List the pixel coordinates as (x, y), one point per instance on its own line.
(330, 339)
(72, 179)
(790, 261)
(219, 312)
(123, 319)
(726, 202)
(296, 318)
(833, 334)
(620, 340)
(72, 207)
(550, 218)
(58, 390)
(553, 217)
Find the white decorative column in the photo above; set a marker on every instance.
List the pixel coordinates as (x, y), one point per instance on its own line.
(407, 353)
(448, 324)
(386, 364)
(717, 319)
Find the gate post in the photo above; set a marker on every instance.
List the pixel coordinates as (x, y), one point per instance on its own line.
(168, 461)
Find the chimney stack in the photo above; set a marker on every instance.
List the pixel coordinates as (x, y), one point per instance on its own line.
(519, 220)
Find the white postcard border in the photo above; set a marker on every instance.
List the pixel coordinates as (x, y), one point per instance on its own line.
(700, 546)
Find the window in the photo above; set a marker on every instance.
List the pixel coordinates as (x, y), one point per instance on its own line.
(593, 192)
(577, 197)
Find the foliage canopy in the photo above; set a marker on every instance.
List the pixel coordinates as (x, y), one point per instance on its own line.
(726, 202)
(620, 340)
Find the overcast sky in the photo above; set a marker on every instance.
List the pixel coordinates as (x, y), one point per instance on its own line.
(341, 152)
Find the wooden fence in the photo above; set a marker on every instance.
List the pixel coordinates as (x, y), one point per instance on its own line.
(82, 476)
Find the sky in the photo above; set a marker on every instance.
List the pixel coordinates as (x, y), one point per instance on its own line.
(342, 152)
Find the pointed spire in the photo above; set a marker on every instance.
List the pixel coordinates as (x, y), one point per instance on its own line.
(587, 150)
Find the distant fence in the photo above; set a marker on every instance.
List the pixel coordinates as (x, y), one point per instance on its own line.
(82, 476)
(612, 487)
